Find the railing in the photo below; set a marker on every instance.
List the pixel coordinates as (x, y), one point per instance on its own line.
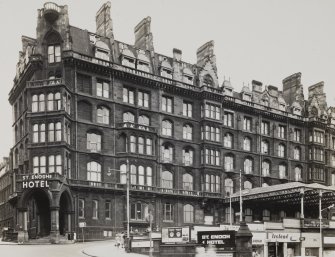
(135, 126)
(131, 71)
(45, 82)
(51, 6)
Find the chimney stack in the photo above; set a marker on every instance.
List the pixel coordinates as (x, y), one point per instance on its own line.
(143, 35)
(104, 21)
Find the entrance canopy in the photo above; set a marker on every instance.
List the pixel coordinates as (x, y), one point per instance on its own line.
(288, 193)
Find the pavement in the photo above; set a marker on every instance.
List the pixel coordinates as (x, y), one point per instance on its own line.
(108, 249)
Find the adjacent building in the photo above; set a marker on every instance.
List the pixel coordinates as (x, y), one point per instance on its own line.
(90, 112)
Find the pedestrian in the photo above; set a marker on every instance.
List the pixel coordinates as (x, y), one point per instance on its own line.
(122, 237)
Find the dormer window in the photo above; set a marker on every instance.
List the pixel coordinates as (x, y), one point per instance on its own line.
(128, 61)
(166, 73)
(296, 111)
(246, 97)
(102, 50)
(188, 79)
(143, 66)
(282, 107)
(208, 81)
(102, 54)
(228, 92)
(54, 53)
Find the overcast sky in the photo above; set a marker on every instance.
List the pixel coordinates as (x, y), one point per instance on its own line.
(266, 40)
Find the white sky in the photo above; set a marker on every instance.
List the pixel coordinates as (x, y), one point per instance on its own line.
(266, 40)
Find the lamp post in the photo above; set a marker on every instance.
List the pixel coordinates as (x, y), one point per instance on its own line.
(128, 208)
(241, 207)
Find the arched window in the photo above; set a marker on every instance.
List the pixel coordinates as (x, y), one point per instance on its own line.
(55, 164)
(247, 184)
(149, 176)
(208, 81)
(128, 117)
(229, 186)
(41, 103)
(266, 168)
(103, 115)
(297, 153)
(228, 140)
(167, 153)
(247, 144)
(34, 106)
(140, 145)
(39, 163)
(188, 182)
(282, 171)
(93, 142)
(93, 171)
(281, 150)
(133, 174)
(229, 162)
(167, 179)
(265, 147)
(187, 132)
(54, 53)
(167, 128)
(188, 157)
(297, 173)
(58, 102)
(144, 121)
(188, 213)
(132, 144)
(248, 166)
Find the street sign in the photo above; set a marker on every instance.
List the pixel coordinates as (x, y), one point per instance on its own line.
(224, 238)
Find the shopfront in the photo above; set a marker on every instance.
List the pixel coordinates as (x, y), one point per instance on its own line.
(283, 244)
(310, 244)
(258, 241)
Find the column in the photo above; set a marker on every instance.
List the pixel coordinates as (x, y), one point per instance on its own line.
(54, 233)
(285, 249)
(69, 228)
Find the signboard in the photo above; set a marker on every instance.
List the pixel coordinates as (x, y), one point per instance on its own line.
(175, 235)
(218, 238)
(136, 244)
(82, 224)
(316, 223)
(284, 237)
(258, 238)
(36, 181)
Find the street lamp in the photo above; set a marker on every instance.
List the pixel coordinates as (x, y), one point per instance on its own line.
(128, 214)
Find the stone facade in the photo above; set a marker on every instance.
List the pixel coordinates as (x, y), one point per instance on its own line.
(182, 137)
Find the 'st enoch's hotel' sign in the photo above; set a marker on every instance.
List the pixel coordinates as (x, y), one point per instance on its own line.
(36, 181)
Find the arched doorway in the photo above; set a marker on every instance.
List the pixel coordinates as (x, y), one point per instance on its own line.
(38, 220)
(65, 213)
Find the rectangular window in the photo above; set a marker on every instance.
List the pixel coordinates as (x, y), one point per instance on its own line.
(281, 131)
(187, 109)
(128, 95)
(84, 83)
(212, 157)
(297, 135)
(247, 123)
(81, 208)
(167, 104)
(149, 146)
(54, 53)
(168, 212)
(108, 209)
(318, 137)
(265, 128)
(228, 118)
(103, 89)
(95, 209)
(212, 111)
(143, 99)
